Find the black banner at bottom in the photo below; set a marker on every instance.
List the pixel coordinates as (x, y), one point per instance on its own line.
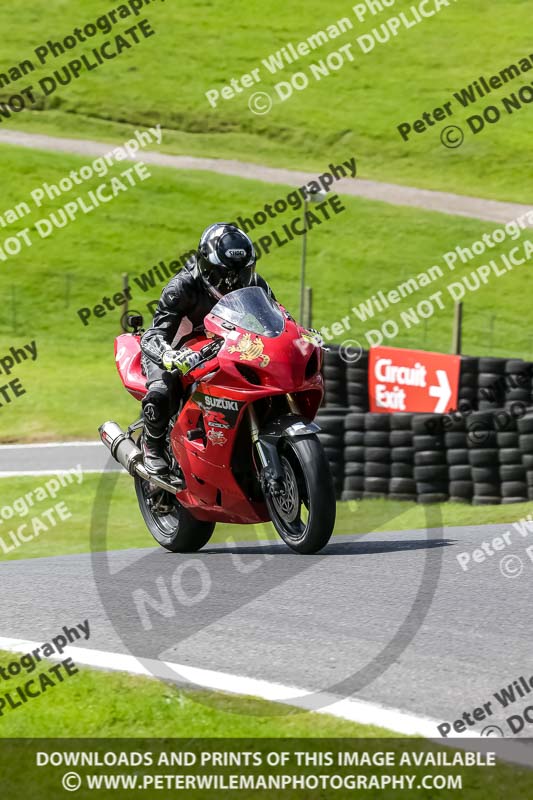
(488, 769)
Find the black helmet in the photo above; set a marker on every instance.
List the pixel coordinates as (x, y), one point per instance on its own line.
(226, 259)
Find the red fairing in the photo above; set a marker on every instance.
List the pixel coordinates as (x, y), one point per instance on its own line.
(128, 361)
(248, 368)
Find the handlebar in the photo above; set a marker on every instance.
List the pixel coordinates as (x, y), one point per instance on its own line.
(207, 353)
(210, 350)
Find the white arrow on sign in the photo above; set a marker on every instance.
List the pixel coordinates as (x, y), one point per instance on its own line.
(443, 391)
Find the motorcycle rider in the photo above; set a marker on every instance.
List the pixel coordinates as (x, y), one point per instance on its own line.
(225, 261)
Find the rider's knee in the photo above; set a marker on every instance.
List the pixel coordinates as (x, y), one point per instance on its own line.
(156, 406)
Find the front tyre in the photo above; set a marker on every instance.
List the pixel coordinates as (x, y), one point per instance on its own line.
(171, 525)
(304, 512)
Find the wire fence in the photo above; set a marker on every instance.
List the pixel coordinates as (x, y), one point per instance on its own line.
(483, 333)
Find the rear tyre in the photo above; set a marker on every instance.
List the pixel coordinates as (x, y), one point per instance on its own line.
(171, 525)
(304, 513)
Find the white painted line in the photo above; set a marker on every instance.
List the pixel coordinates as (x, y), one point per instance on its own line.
(29, 472)
(49, 444)
(359, 711)
(365, 713)
(350, 709)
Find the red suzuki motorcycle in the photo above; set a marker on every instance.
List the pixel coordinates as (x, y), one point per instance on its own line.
(242, 448)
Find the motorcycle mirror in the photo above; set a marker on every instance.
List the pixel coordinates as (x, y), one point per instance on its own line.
(133, 321)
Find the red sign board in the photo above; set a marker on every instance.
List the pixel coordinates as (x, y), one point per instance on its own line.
(412, 380)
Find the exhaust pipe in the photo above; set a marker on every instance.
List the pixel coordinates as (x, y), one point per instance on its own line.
(125, 451)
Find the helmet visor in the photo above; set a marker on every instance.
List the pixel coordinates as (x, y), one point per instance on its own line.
(225, 280)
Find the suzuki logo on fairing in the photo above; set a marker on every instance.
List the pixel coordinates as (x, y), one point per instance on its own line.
(235, 253)
(219, 402)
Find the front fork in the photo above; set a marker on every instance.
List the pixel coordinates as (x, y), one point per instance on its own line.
(271, 473)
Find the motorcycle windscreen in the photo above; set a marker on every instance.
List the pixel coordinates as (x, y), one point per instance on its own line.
(251, 309)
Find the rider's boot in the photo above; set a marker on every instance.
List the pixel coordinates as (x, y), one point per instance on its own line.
(155, 417)
(153, 450)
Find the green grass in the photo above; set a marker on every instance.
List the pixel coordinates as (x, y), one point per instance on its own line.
(125, 527)
(120, 705)
(73, 386)
(355, 111)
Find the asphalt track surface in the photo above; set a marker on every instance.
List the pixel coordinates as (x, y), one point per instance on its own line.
(428, 200)
(389, 618)
(45, 458)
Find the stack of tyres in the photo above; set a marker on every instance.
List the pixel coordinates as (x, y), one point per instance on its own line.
(354, 456)
(461, 487)
(377, 455)
(334, 371)
(513, 483)
(517, 384)
(525, 441)
(483, 458)
(431, 468)
(331, 435)
(402, 484)
(491, 383)
(357, 382)
(468, 388)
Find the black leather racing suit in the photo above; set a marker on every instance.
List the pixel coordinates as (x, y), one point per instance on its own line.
(179, 315)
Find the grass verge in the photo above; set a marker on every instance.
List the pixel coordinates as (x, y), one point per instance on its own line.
(113, 705)
(126, 528)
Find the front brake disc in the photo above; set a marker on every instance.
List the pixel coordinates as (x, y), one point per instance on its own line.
(287, 503)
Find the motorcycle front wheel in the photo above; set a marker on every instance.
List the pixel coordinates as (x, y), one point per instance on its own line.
(171, 525)
(304, 511)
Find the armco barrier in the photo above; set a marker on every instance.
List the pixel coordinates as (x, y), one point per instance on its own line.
(482, 454)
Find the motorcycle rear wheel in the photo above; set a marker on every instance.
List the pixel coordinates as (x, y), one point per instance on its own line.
(304, 514)
(171, 525)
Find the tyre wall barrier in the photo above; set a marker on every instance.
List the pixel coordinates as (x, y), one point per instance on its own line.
(481, 454)
(484, 383)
